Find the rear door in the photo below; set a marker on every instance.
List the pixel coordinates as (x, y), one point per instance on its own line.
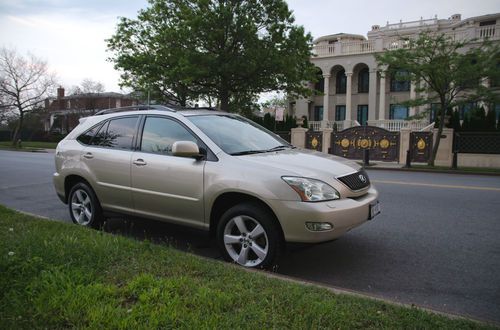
(165, 186)
(107, 160)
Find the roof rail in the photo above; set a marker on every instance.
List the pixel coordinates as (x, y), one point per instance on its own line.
(135, 108)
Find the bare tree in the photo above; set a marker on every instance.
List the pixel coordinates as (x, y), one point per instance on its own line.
(91, 86)
(24, 83)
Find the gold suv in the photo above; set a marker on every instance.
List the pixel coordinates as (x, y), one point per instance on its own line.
(211, 170)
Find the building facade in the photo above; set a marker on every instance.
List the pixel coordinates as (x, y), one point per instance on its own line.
(63, 112)
(355, 90)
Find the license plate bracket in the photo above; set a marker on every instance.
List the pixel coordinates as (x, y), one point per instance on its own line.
(374, 210)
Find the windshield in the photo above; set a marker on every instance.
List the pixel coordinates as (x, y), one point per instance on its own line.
(237, 135)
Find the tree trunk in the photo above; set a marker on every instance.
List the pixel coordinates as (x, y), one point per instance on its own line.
(435, 147)
(17, 131)
(224, 100)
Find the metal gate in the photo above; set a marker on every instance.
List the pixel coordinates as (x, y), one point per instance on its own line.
(314, 140)
(351, 143)
(420, 146)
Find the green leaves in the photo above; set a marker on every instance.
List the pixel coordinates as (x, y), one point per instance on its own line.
(450, 72)
(227, 50)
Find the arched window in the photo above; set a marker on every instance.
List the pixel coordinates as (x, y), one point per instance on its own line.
(341, 82)
(400, 81)
(363, 81)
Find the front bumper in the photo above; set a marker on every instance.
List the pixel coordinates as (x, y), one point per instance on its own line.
(344, 214)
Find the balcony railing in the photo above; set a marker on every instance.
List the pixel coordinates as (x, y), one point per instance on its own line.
(396, 125)
(491, 32)
(316, 125)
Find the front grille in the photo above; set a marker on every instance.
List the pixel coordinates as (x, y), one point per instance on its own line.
(354, 181)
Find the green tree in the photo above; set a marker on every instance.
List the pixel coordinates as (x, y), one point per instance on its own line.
(225, 50)
(450, 71)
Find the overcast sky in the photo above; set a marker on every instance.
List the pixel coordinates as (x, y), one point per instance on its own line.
(70, 34)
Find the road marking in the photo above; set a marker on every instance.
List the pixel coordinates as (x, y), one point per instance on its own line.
(437, 185)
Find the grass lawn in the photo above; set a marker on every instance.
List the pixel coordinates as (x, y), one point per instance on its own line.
(56, 275)
(29, 145)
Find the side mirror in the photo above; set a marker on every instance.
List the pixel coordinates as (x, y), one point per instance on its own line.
(185, 149)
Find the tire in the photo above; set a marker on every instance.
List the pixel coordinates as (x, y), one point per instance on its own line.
(249, 236)
(84, 207)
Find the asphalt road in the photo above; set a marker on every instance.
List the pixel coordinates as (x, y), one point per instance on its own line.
(435, 245)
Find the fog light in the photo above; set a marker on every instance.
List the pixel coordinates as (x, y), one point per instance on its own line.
(319, 226)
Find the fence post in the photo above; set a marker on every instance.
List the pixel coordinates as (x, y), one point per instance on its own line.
(298, 137)
(366, 157)
(327, 136)
(408, 159)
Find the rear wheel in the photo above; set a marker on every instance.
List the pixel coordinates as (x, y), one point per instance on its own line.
(249, 236)
(84, 207)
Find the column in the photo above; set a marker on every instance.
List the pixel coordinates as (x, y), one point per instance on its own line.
(423, 94)
(413, 96)
(298, 137)
(381, 106)
(372, 95)
(326, 102)
(348, 96)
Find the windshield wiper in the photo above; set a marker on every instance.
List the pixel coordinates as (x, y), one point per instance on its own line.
(247, 152)
(280, 147)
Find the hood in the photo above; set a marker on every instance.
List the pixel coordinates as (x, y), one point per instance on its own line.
(305, 163)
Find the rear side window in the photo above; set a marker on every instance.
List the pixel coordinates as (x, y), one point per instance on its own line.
(120, 133)
(160, 134)
(86, 138)
(116, 133)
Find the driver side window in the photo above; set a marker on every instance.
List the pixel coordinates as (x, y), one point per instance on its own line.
(159, 135)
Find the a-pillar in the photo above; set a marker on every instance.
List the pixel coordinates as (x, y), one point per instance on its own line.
(372, 95)
(348, 97)
(381, 106)
(326, 102)
(327, 138)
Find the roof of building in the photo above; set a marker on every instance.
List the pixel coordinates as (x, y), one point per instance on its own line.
(339, 37)
(98, 95)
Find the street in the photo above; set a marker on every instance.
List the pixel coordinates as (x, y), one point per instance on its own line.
(435, 244)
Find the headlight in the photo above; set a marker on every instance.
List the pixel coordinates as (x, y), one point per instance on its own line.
(311, 190)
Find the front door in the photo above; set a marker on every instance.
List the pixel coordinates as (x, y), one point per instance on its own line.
(166, 186)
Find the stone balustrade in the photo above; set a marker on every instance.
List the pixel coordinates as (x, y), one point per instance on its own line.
(491, 32)
(396, 125)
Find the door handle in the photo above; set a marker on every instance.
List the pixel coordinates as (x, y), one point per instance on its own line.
(88, 155)
(139, 162)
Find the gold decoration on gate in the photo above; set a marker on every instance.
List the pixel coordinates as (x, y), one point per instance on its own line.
(364, 143)
(314, 142)
(421, 144)
(344, 143)
(384, 143)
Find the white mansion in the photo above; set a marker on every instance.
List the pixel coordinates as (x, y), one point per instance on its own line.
(355, 93)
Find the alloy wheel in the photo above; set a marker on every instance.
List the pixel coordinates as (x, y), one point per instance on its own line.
(81, 207)
(246, 241)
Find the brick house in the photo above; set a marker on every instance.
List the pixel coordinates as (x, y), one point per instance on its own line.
(63, 112)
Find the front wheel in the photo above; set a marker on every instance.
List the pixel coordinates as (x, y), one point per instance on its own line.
(84, 207)
(249, 236)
